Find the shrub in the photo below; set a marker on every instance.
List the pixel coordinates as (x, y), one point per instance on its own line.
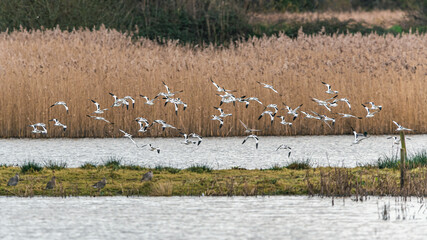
(31, 166)
(55, 165)
(198, 168)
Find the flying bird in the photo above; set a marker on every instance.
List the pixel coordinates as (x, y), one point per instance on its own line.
(329, 89)
(400, 128)
(98, 108)
(61, 103)
(268, 86)
(254, 137)
(57, 123)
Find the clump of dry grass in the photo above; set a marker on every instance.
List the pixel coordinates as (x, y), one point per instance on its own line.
(38, 68)
(382, 18)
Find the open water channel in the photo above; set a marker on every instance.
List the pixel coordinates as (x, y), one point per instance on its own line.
(278, 217)
(218, 153)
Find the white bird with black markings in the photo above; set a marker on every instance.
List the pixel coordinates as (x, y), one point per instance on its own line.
(143, 124)
(396, 140)
(309, 116)
(61, 103)
(358, 137)
(220, 89)
(268, 86)
(187, 141)
(285, 147)
(369, 113)
(127, 135)
(283, 122)
(248, 130)
(254, 137)
(374, 107)
(346, 101)
(131, 99)
(254, 99)
(401, 128)
(100, 119)
(98, 108)
(148, 101)
(194, 135)
(324, 103)
(292, 112)
(329, 89)
(216, 118)
(223, 115)
(119, 101)
(169, 92)
(36, 129)
(274, 106)
(346, 115)
(227, 98)
(57, 123)
(151, 148)
(164, 124)
(322, 118)
(270, 113)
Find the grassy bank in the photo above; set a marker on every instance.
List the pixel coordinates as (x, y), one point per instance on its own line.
(202, 181)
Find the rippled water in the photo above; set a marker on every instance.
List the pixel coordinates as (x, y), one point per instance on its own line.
(218, 153)
(210, 218)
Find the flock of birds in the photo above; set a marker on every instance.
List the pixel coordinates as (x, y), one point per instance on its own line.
(226, 97)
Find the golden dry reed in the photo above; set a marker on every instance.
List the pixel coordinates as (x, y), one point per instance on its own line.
(38, 68)
(383, 18)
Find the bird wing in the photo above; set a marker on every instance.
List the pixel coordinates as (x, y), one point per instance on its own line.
(243, 124)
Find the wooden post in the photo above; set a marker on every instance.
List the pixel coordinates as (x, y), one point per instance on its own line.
(402, 160)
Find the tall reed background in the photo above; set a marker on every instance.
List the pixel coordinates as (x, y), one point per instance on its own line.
(38, 68)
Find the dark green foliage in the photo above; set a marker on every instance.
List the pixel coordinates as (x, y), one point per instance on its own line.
(299, 164)
(329, 27)
(31, 166)
(172, 170)
(88, 165)
(275, 167)
(113, 162)
(198, 168)
(418, 159)
(55, 165)
(189, 21)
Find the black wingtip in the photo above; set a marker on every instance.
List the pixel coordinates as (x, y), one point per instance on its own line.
(259, 117)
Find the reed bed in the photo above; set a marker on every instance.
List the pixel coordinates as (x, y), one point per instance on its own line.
(382, 18)
(38, 68)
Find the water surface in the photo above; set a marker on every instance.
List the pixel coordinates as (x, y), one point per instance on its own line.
(278, 217)
(218, 153)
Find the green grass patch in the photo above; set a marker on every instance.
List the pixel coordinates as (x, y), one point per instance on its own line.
(199, 168)
(55, 165)
(299, 164)
(88, 165)
(113, 162)
(172, 170)
(31, 166)
(417, 159)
